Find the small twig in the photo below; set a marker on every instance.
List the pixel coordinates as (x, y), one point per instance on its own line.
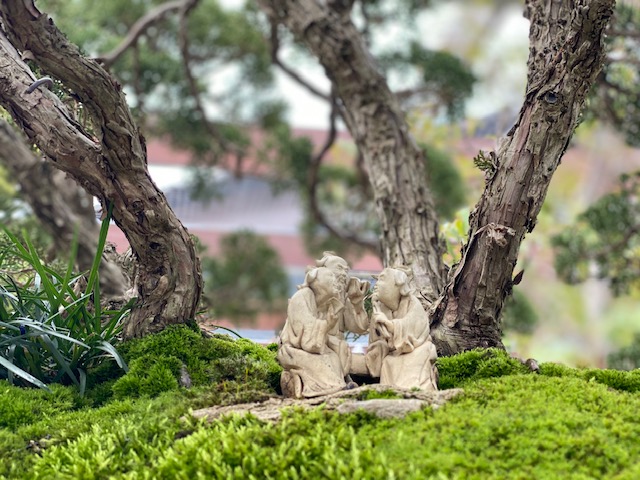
(38, 83)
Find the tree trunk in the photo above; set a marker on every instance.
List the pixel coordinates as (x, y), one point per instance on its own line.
(110, 163)
(396, 168)
(63, 208)
(565, 56)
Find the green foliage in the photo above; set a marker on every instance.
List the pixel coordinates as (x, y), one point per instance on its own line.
(88, 442)
(616, 379)
(604, 239)
(218, 39)
(458, 370)
(446, 75)
(48, 331)
(375, 395)
(246, 278)
(626, 358)
(21, 406)
(446, 80)
(518, 314)
(148, 375)
(445, 182)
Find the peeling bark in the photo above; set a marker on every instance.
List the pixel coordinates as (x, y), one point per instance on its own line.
(377, 124)
(112, 167)
(565, 56)
(63, 208)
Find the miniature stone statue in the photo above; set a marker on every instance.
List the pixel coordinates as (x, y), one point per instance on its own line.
(313, 352)
(400, 349)
(354, 317)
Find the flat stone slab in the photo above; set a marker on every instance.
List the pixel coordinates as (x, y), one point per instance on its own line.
(345, 401)
(384, 407)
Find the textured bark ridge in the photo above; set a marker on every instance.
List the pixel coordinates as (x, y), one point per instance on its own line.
(376, 122)
(112, 167)
(64, 209)
(565, 56)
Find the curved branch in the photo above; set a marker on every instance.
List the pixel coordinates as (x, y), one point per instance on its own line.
(57, 202)
(275, 48)
(152, 17)
(111, 164)
(221, 144)
(312, 183)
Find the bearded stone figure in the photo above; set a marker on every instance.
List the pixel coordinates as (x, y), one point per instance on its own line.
(312, 349)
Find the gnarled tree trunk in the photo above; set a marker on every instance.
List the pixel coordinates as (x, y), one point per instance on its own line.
(64, 209)
(565, 56)
(110, 163)
(377, 124)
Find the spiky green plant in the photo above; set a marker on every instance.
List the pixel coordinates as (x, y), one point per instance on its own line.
(51, 331)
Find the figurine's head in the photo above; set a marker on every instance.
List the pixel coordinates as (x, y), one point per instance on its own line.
(392, 284)
(322, 281)
(337, 265)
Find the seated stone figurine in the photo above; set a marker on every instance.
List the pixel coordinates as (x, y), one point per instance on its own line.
(351, 292)
(312, 350)
(400, 349)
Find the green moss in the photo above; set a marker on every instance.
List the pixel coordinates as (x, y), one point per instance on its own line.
(73, 443)
(22, 406)
(373, 395)
(563, 423)
(207, 360)
(149, 375)
(524, 426)
(518, 426)
(475, 364)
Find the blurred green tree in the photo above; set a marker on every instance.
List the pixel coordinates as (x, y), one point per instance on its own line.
(603, 242)
(246, 278)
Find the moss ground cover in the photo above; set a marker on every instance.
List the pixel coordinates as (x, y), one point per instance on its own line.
(561, 423)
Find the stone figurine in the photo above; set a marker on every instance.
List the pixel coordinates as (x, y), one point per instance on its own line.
(312, 350)
(400, 349)
(354, 317)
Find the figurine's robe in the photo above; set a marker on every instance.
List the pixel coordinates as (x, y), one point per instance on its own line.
(354, 320)
(304, 347)
(407, 358)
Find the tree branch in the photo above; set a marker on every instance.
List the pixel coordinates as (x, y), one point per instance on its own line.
(409, 226)
(57, 201)
(275, 59)
(566, 53)
(152, 17)
(111, 164)
(185, 55)
(312, 183)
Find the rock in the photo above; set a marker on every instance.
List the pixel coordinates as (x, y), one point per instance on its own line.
(384, 408)
(185, 379)
(344, 401)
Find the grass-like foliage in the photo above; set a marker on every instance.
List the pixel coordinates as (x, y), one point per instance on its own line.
(50, 329)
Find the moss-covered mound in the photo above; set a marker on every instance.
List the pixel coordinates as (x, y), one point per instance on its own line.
(158, 363)
(510, 423)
